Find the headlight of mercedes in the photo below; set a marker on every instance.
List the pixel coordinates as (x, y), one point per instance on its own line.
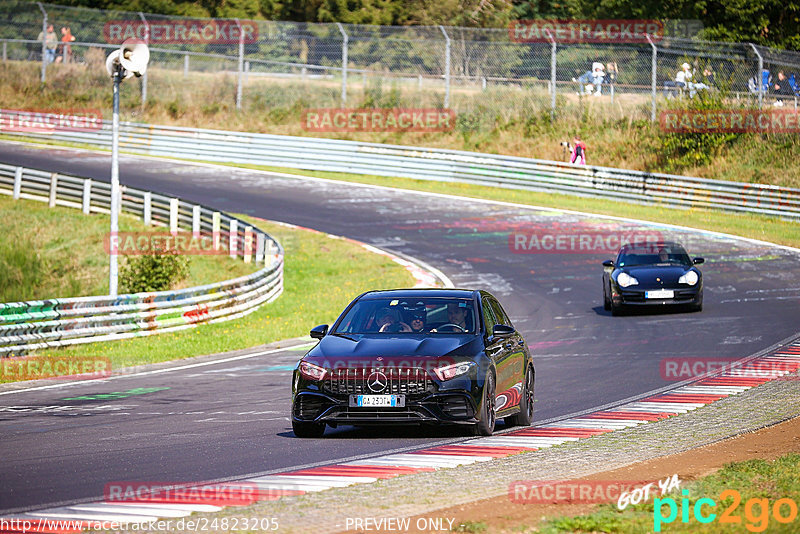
(690, 278)
(626, 280)
(451, 371)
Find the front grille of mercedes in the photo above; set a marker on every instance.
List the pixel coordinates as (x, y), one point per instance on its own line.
(408, 381)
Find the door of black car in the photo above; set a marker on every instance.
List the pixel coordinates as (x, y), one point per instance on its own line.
(514, 364)
(498, 349)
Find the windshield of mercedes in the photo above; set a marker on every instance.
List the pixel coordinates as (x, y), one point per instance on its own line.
(409, 316)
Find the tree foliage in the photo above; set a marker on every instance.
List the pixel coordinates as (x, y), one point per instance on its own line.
(767, 22)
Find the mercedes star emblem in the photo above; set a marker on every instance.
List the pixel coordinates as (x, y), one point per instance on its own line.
(376, 382)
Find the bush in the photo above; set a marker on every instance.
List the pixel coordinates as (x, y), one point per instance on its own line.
(153, 272)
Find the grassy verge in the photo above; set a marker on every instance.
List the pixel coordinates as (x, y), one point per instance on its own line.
(322, 275)
(500, 119)
(766, 228)
(38, 259)
(760, 484)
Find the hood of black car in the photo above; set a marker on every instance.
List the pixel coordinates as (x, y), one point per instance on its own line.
(334, 351)
(657, 275)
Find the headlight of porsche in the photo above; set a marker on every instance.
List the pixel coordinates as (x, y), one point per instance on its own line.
(626, 280)
(451, 371)
(690, 278)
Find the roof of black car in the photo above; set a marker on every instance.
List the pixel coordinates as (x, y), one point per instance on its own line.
(418, 293)
(651, 245)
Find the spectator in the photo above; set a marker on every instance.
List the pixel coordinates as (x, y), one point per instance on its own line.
(782, 88)
(578, 151)
(706, 82)
(51, 43)
(66, 49)
(591, 81)
(611, 73)
(766, 81)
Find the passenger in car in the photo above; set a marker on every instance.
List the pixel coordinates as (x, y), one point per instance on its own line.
(389, 321)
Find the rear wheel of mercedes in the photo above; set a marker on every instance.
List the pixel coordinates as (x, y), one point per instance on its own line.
(308, 430)
(525, 415)
(485, 426)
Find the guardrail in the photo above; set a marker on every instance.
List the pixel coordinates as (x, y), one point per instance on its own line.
(49, 323)
(435, 164)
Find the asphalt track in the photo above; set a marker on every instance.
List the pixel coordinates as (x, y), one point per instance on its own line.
(229, 419)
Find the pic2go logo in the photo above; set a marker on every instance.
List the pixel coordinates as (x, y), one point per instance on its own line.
(756, 511)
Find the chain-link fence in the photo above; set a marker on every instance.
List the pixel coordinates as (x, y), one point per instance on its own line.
(465, 69)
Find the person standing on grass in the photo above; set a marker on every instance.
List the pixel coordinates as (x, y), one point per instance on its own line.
(578, 151)
(51, 43)
(66, 49)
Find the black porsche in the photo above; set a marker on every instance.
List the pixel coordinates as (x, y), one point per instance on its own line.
(409, 356)
(652, 274)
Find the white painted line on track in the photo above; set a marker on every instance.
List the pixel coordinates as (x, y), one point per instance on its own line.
(129, 508)
(158, 371)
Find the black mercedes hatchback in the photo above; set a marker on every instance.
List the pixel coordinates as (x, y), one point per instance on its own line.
(409, 356)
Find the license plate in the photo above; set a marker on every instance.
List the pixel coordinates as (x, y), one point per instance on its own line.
(659, 294)
(369, 401)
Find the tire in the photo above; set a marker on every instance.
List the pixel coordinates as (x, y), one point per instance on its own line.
(525, 415)
(308, 430)
(616, 311)
(606, 300)
(485, 426)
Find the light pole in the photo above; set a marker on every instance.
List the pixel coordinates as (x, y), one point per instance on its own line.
(130, 60)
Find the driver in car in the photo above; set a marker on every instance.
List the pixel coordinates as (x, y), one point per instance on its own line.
(418, 322)
(456, 318)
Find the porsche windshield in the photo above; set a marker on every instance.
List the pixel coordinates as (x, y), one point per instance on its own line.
(654, 255)
(409, 316)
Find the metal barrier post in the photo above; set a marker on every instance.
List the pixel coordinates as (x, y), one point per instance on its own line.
(215, 228)
(147, 42)
(248, 244)
(759, 75)
(196, 220)
(553, 50)
(246, 70)
(53, 187)
(344, 62)
(5, 55)
(147, 216)
(17, 182)
(186, 65)
(259, 247)
(87, 196)
(234, 237)
(240, 67)
(446, 67)
(653, 67)
(44, 41)
(173, 215)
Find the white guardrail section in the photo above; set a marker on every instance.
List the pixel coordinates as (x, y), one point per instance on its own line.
(41, 324)
(436, 164)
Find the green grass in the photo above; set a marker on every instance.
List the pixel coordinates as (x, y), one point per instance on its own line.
(499, 120)
(38, 258)
(753, 479)
(322, 275)
(762, 227)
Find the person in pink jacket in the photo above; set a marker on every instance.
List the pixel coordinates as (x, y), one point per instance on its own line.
(578, 151)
